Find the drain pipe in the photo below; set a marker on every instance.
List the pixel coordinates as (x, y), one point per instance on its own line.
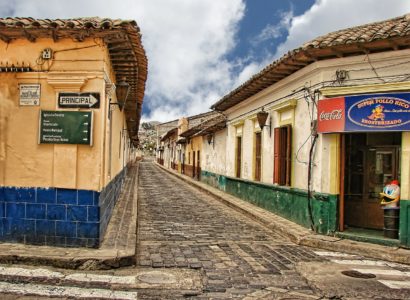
(312, 222)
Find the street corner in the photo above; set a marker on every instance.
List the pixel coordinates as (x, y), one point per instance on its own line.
(352, 281)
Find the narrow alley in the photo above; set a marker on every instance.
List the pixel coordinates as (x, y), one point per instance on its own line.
(180, 226)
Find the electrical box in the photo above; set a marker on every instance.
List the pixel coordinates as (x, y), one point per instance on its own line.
(47, 53)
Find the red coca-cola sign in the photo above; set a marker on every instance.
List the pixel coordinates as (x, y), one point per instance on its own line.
(331, 115)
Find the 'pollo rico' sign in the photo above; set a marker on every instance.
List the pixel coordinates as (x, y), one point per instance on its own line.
(378, 112)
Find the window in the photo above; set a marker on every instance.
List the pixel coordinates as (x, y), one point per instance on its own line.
(238, 156)
(258, 156)
(282, 155)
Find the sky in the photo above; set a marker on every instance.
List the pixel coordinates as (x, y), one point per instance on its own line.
(200, 50)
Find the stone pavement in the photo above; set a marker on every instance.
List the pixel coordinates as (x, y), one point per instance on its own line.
(297, 233)
(117, 249)
(182, 227)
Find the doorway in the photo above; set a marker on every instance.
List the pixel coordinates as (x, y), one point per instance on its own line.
(193, 164)
(372, 160)
(258, 156)
(198, 165)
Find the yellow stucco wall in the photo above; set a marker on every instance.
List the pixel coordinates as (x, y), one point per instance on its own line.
(75, 67)
(194, 146)
(405, 167)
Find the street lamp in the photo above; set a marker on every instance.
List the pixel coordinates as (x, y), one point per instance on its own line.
(262, 116)
(122, 90)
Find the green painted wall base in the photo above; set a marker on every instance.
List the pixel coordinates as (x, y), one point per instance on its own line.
(289, 203)
(404, 229)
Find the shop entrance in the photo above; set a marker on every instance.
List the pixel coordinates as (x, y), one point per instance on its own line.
(371, 161)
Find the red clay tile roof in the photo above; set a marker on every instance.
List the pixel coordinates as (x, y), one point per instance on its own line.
(206, 127)
(388, 35)
(123, 39)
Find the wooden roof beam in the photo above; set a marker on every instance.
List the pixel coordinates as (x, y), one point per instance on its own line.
(29, 36)
(54, 35)
(296, 62)
(286, 66)
(119, 47)
(337, 52)
(5, 39)
(394, 45)
(121, 53)
(363, 49)
(310, 56)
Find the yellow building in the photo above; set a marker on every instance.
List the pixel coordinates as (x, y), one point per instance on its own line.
(71, 93)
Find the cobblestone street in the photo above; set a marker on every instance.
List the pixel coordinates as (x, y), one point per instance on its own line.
(180, 226)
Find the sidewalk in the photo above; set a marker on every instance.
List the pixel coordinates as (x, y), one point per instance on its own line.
(296, 233)
(117, 249)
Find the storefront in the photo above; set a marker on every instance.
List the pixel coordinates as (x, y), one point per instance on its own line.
(371, 131)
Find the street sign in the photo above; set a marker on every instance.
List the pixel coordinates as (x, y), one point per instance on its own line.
(79, 100)
(66, 127)
(29, 94)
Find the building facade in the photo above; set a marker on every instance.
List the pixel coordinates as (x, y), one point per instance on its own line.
(70, 102)
(283, 151)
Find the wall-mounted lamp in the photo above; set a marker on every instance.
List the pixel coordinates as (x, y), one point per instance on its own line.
(122, 90)
(262, 116)
(211, 139)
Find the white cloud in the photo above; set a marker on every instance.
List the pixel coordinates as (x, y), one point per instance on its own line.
(323, 17)
(274, 31)
(329, 15)
(185, 41)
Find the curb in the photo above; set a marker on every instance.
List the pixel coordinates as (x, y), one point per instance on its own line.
(297, 233)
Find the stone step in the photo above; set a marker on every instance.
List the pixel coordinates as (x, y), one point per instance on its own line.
(40, 280)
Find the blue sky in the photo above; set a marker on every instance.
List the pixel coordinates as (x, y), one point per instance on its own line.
(199, 50)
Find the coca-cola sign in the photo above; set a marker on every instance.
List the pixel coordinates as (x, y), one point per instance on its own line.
(331, 115)
(335, 114)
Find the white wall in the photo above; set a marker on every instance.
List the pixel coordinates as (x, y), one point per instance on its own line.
(393, 63)
(214, 159)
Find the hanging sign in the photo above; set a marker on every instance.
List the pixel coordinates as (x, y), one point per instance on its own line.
(29, 94)
(377, 112)
(66, 127)
(79, 100)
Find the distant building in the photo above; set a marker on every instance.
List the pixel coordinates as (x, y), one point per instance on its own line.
(71, 96)
(178, 152)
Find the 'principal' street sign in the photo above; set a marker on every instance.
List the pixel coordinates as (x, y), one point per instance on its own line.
(79, 100)
(66, 127)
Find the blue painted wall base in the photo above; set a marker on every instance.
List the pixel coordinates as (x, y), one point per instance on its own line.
(55, 216)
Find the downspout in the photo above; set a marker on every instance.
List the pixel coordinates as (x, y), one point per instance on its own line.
(312, 222)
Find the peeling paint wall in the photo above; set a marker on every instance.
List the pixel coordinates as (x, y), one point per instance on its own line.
(214, 153)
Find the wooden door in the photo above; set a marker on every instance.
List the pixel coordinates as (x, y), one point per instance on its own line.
(198, 165)
(258, 156)
(238, 156)
(193, 164)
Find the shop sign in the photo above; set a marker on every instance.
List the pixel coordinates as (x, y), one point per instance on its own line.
(29, 94)
(65, 127)
(378, 112)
